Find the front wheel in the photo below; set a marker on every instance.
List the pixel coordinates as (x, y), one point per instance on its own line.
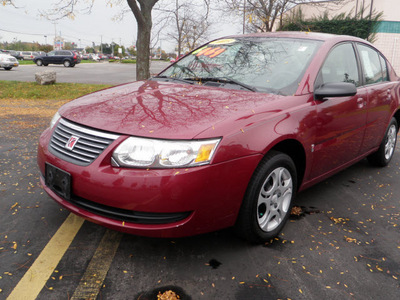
(383, 156)
(268, 199)
(39, 62)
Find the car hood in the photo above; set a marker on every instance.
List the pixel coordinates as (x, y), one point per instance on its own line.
(166, 110)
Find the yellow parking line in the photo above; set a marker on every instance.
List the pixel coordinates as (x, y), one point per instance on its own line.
(91, 282)
(36, 277)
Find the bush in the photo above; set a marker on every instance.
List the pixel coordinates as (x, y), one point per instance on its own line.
(342, 24)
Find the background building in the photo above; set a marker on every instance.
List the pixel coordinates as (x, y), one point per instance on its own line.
(388, 33)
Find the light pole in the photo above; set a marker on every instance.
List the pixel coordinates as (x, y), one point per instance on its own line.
(45, 39)
(244, 15)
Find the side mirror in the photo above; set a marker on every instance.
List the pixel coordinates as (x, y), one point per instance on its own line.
(334, 90)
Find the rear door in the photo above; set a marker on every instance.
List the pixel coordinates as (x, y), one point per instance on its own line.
(380, 91)
(341, 121)
(59, 58)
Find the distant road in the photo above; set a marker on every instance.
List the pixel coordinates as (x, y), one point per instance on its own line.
(101, 73)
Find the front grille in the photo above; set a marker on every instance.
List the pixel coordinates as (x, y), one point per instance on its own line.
(89, 145)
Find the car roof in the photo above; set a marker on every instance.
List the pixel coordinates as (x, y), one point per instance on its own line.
(303, 35)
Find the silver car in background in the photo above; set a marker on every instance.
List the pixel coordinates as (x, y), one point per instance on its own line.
(8, 62)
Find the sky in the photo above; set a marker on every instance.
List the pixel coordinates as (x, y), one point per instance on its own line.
(25, 24)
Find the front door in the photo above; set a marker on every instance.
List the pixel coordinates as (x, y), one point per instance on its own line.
(340, 122)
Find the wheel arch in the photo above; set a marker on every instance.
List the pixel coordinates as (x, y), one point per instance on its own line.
(295, 150)
(397, 117)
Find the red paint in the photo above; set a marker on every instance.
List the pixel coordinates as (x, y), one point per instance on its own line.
(331, 135)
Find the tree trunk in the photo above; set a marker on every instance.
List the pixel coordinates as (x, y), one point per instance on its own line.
(143, 51)
(143, 18)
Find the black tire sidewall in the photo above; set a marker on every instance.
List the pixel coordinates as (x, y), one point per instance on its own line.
(247, 225)
(378, 158)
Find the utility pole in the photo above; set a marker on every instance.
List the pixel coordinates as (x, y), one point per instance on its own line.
(55, 35)
(101, 44)
(244, 15)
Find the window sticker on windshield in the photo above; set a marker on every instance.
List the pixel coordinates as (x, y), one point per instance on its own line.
(302, 48)
(211, 52)
(198, 50)
(224, 41)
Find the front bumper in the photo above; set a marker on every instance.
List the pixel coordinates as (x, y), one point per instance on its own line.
(182, 201)
(8, 64)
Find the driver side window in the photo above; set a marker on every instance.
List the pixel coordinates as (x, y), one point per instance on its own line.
(340, 66)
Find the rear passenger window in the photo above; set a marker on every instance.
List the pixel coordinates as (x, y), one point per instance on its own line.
(340, 66)
(371, 62)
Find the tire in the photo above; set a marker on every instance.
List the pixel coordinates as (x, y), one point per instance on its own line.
(39, 62)
(67, 63)
(45, 64)
(268, 200)
(8, 68)
(72, 65)
(383, 156)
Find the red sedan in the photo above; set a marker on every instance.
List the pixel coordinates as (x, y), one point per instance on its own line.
(224, 137)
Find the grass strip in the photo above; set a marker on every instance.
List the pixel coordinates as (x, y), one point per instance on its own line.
(58, 91)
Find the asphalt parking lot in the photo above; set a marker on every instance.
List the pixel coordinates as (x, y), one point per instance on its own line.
(345, 244)
(94, 73)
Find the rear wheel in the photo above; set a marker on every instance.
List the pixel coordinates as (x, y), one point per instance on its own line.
(268, 199)
(383, 156)
(39, 62)
(67, 63)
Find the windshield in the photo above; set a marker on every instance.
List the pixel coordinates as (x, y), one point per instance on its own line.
(274, 65)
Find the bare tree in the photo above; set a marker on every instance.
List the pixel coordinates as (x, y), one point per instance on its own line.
(8, 2)
(262, 15)
(141, 9)
(190, 21)
(144, 21)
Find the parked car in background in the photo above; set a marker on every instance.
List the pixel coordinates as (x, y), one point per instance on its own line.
(28, 55)
(67, 58)
(8, 61)
(94, 56)
(226, 136)
(16, 54)
(12, 53)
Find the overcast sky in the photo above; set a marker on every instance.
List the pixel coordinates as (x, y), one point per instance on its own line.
(25, 24)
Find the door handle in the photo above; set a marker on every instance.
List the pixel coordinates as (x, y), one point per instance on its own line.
(389, 94)
(360, 102)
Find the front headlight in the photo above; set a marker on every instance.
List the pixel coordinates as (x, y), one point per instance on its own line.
(149, 153)
(54, 120)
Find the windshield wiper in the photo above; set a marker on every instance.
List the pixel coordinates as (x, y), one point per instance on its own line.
(174, 78)
(226, 80)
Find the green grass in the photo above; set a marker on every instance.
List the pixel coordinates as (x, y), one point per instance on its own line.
(58, 91)
(128, 61)
(26, 62)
